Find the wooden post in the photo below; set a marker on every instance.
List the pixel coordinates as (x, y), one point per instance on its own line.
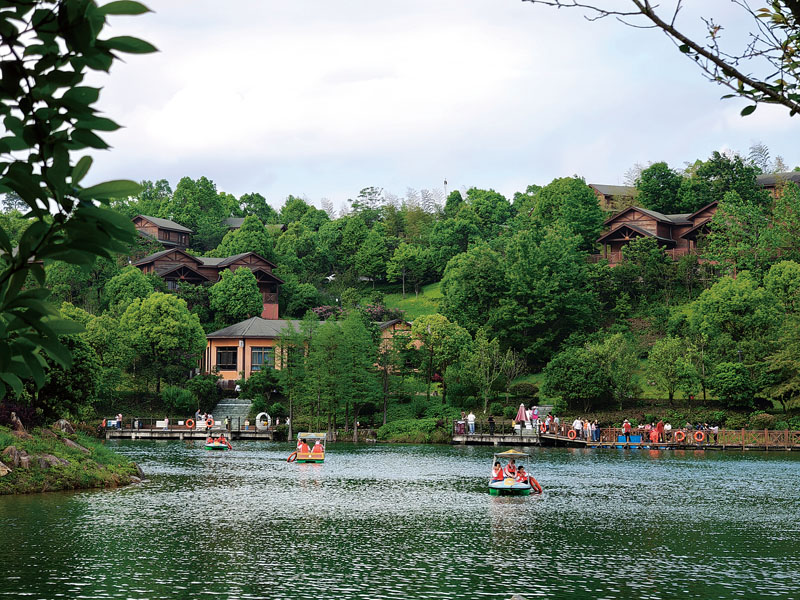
(742, 438)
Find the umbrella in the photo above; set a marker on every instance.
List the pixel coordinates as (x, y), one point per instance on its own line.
(521, 415)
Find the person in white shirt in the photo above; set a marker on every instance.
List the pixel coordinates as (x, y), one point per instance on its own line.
(577, 425)
(471, 421)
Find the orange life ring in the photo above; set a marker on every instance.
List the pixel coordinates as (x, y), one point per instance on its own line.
(210, 423)
(699, 436)
(190, 423)
(679, 436)
(534, 484)
(571, 435)
(292, 457)
(543, 428)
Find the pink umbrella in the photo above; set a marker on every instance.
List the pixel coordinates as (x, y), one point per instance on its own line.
(521, 415)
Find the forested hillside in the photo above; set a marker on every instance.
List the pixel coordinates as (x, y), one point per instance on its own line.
(520, 289)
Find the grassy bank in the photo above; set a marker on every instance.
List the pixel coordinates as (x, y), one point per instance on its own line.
(90, 465)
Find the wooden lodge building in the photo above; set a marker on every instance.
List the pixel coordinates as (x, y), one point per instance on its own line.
(238, 351)
(676, 234)
(168, 233)
(175, 265)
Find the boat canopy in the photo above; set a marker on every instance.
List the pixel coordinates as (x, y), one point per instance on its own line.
(311, 436)
(511, 454)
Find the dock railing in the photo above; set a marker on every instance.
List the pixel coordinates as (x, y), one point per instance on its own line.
(181, 424)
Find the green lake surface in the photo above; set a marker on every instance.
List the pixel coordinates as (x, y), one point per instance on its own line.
(407, 522)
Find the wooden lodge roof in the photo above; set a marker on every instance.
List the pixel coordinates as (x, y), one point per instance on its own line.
(775, 179)
(166, 224)
(679, 219)
(612, 235)
(615, 190)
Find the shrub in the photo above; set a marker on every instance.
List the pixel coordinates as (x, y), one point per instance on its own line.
(415, 431)
(418, 407)
(762, 420)
(205, 390)
(794, 423)
(509, 412)
(736, 421)
(258, 405)
(525, 389)
(495, 409)
(178, 399)
(278, 410)
(781, 425)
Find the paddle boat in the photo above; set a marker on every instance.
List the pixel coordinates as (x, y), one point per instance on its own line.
(310, 448)
(220, 443)
(505, 482)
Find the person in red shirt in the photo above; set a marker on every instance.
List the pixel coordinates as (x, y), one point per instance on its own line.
(660, 431)
(522, 476)
(318, 449)
(511, 468)
(626, 431)
(302, 447)
(497, 472)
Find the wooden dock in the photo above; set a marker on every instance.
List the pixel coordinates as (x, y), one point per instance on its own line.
(677, 439)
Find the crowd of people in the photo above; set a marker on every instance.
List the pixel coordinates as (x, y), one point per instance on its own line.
(661, 432)
(586, 429)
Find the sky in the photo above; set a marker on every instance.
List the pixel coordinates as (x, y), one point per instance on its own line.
(321, 98)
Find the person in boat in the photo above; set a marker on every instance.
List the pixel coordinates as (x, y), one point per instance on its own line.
(522, 475)
(511, 468)
(497, 472)
(209, 440)
(302, 447)
(317, 449)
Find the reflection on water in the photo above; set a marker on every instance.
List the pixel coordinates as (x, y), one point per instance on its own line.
(412, 522)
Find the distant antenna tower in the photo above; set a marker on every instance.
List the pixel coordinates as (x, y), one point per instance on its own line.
(445, 188)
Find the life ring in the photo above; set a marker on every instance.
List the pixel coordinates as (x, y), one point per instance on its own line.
(534, 484)
(210, 423)
(699, 436)
(543, 428)
(190, 423)
(571, 434)
(680, 436)
(292, 457)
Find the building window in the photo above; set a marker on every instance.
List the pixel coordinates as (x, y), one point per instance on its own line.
(227, 358)
(262, 358)
(172, 285)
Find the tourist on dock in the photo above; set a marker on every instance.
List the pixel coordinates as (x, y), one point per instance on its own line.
(227, 422)
(471, 422)
(714, 430)
(497, 472)
(535, 414)
(119, 420)
(491, 424)
(577, 425)
(595, 431)
(660, 431)
(556, 422)
(166, 423)
(667, 431)
(547, 422)
(587, 430)
(626, 431)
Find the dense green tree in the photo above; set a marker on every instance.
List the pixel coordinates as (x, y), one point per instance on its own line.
(152, 200)
(256, 205)
(738, 317)
(570, 202)
(486, 362)
(409, 263)
(659, 188)
(670, 365)
(449, 238)
(575, 376)
(782, 378)
(236, 297)
(785, 222)
(296, 252)
(492, 209)
(548, 295)
(645, 270)
(741, 236)
(198, 206)
(783, 282)
(617, 359)
(473, 286)
(453, 204)
(13, 224)
(165, 336)
(709, 181)
(296, 298)
(733, 383)
(442, 343)
(123, 288)
(370, 260)
(252, 236)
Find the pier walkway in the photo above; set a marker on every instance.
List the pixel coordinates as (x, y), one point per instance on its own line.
(611, 437)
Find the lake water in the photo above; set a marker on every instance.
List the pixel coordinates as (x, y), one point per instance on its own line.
(385, 522)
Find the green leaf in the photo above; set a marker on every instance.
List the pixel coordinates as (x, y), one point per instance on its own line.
(129, 44)
(97, 123)
(80, 170)
(13, 381)
(123, 7)
(85, 138)
(684, 48)
(120, 188)
(82, 94)
(65, 326)
(747, 110)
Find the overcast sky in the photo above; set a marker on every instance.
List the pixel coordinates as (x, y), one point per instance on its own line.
(321, 98)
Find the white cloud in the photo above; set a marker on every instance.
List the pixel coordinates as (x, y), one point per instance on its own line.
(326, 98)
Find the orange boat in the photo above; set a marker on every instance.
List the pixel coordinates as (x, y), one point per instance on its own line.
(311, 456)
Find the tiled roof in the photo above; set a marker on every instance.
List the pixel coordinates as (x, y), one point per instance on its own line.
(615, 190)
(166, 224)
(773, 179)
(255, 327)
